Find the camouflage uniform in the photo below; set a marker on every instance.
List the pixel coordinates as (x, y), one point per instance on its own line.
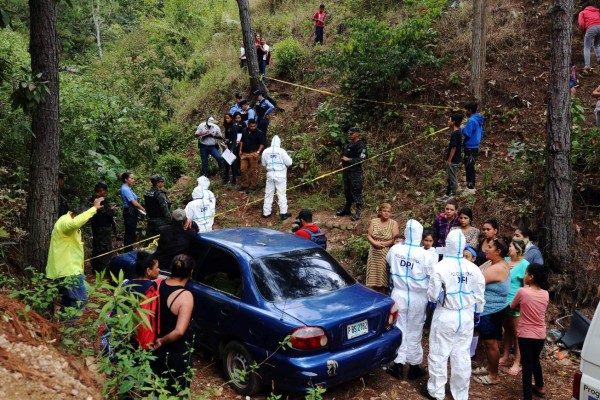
(103, 225)
(158, 210)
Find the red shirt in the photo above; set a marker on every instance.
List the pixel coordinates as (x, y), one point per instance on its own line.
(590, 16)
(320, 16)
(302, 233)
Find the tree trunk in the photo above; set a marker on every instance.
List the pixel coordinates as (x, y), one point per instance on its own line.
(248, 35)
(96, 19)
(559, 186)
(480, 11)
(42, 203)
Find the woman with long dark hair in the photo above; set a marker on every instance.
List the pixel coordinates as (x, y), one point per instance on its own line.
(172, 347)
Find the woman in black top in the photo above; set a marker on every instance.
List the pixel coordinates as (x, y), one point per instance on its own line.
(230, 129)
(172, 347)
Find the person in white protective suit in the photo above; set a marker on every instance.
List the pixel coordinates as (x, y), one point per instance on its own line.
(410, 266)
(456, 287)
(202, 208)
(276, 160)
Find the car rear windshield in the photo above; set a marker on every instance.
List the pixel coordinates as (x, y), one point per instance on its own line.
(298, 274)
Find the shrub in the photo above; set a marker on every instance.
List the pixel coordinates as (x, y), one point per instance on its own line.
(290, 56)
(376, 56)
(171, 166)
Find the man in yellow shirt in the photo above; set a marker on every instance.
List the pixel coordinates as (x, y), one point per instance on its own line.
(65, 256)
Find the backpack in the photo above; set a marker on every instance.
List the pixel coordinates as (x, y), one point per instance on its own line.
(146, 333)
(317, 237)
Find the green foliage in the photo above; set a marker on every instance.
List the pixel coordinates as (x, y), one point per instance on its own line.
(315, 393)
(35, 290)
(585, 142)
(376, 56)
(172, 166)
(357, 248)
(290, 56)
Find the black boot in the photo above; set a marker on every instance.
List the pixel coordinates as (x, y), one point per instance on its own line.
(397, 370)
(356, 216)
(344, 211)
(416, 372)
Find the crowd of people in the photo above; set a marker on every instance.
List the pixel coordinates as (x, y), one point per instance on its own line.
(483, 288)
(476, 286)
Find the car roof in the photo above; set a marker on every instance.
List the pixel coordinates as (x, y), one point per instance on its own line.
(257, 242)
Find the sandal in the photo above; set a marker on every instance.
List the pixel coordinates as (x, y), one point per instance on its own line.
(480, 371)
(536, 392)
(485, 380)
(514, 370)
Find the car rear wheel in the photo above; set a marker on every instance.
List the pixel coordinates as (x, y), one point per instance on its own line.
(237, 364)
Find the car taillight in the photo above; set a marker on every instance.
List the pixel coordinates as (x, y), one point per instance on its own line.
(576, 384)
(308, 337)
(393, 315)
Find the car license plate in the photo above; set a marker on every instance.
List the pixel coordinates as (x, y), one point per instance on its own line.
(358, 329)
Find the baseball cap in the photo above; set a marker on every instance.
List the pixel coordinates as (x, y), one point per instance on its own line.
(305, 215)
(353, 130)
(258, 92)
(243, 101)
(178, 215)
(210, 120)
(157, 178)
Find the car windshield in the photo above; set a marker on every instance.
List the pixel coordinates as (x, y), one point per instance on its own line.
(298, 274)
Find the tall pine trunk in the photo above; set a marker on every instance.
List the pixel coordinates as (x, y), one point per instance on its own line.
(558, 194)
(478, 45)
(248, 36)
(42, 203)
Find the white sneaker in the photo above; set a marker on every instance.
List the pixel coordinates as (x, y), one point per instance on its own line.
(443, 198)
(468, 191)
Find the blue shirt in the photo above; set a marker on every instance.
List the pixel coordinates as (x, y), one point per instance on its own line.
(251, 115)
(473, 131)
(127, 195)
(266, 107)
(235, 108)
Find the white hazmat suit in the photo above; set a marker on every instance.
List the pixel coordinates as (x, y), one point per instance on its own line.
(457, 286)
(202, 208)
(410, 266)
(275, 160)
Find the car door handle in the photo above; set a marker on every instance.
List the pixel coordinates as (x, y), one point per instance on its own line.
(225, 311)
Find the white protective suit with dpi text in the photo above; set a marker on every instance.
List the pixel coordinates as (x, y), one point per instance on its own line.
(275, 160)
(410, 266)
(457, 286)
(202, 208)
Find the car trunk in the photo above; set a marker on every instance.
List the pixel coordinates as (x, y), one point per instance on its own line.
(349, 316)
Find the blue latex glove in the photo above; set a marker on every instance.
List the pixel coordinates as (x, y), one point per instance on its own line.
(476, 319)
(432, 305)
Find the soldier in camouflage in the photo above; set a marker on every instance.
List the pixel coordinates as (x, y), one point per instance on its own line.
(157, 206)
(103, 226)
(354, 153)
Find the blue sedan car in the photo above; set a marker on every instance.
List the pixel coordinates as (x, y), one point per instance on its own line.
(255, 287)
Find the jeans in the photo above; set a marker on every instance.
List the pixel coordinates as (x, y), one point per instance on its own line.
(213, 151)
(530, 361)
(452, 186)
(591, 39)
(319, 34)
(470, 157)
(73, 291)
(130, 217)
(249, 170)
